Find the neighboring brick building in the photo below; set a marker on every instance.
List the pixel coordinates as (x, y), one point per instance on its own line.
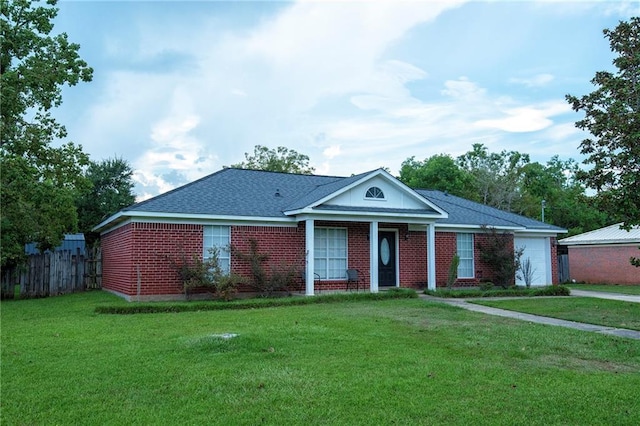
(602, 256)
(394, 236)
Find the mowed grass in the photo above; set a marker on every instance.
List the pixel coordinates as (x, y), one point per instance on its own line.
(610, 313)
(607, 288)
(404, 361)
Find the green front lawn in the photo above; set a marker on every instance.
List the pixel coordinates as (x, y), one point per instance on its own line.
(405, 361)
(610, 313)
(608, 288)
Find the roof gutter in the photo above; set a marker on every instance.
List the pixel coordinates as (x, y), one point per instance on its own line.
(124, 215)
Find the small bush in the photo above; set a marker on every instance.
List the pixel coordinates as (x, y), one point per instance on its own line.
(486, 285)
(497, 251)
(207, 274)
(281, 278)
(556, 290)
(526, 272)
(552, 290)
(453, 271)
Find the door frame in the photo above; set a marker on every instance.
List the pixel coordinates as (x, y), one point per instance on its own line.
(397, 252)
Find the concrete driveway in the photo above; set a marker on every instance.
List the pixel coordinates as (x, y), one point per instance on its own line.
(603, 295)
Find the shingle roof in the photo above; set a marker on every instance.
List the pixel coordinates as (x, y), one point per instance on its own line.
(466, 212)
(324, 190)
(237, 192)
(261, 194)
(608, 235)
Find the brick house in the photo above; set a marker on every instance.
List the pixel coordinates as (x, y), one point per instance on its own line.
(602, 256)
(393, 235)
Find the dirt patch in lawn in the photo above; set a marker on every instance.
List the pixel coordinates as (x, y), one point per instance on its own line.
(573, 363)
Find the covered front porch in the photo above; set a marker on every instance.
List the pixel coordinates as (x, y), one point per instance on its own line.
(384, 252)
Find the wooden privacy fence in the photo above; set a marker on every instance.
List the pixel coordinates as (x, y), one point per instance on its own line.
(563, 268)
(54, 273)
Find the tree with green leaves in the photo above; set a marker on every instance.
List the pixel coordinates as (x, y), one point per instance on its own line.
(280, 159)
(111, 190)
(39, 182)
(439, 172)
(566, 204)
(496, 177)
(612, 117)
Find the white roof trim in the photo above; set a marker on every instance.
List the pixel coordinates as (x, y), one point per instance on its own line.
(379, 172)
(136, 216)
(459, 227)
(347, 216)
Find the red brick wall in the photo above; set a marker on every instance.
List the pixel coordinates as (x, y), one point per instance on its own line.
(149, 246)
(413, 258)
(146, 248)
(117, 269)
(284, 246)
(446, 248)
(604, 264)
(156, 245)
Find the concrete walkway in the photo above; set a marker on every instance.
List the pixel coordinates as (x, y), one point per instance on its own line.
(603, 295)
(619, 332)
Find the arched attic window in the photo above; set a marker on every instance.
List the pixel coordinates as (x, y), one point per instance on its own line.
(374, 193)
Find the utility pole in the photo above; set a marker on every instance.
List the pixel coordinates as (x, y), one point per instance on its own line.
(544, 203)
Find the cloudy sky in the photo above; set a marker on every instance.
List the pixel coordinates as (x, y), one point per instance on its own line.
(182, 89)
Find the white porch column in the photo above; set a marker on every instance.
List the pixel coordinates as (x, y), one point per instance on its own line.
(373, 256)
(309, 245)
(431, 256)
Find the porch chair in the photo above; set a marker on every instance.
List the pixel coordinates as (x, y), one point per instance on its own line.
(353, 278)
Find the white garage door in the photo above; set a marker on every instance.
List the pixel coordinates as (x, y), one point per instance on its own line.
(537, 250)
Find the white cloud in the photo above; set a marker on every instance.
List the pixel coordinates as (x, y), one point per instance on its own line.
(331, 152)
(323, 78)
(538, 80)
(563, 131)
(463, 89)
(289, 63)
(526, 118)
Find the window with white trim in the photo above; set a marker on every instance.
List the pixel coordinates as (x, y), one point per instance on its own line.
(465, 252)
(330, 253)
(375, 193)
(220, 237)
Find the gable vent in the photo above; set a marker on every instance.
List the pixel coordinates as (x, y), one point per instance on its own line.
(375, 193)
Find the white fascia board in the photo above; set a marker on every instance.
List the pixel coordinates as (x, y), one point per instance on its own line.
(447, 227)
(539, 232)
(598, 243)
(113, 218)
(369, 176)
(321, 213)
(113, 226)
(194, 219)
(346, 216)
